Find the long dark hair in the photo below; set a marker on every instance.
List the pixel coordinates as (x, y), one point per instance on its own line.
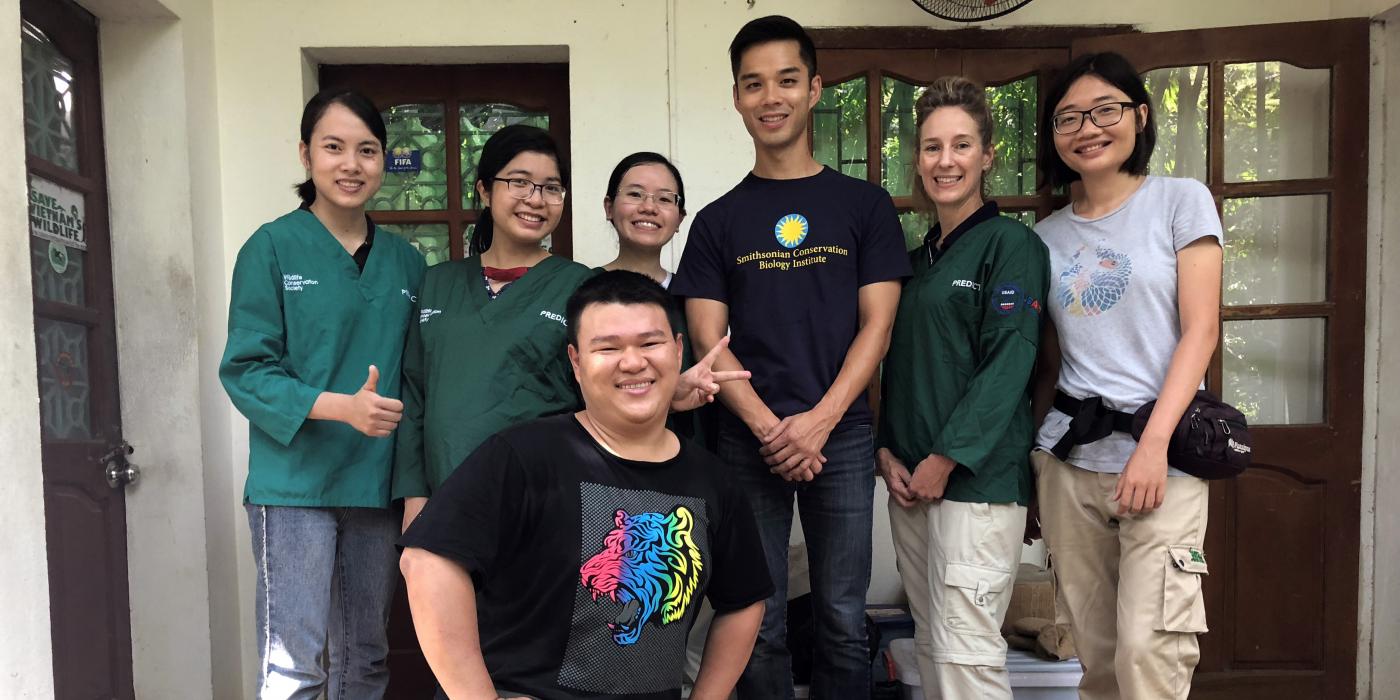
(645, 158)
(358, 104)
(1115, 70)
(500, 149)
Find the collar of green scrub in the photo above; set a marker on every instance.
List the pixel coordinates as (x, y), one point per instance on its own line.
(984, 213)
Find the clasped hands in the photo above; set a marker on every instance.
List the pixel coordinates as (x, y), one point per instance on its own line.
(925, 485)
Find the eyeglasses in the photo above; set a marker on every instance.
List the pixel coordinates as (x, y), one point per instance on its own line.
(1104, 115)
(637, 196)
(520, 188)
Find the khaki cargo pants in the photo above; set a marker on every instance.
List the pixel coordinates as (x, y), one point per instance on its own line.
(958, 562)
(1130, 586)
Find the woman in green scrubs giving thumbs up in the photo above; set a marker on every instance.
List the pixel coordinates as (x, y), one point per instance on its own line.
(317, 316)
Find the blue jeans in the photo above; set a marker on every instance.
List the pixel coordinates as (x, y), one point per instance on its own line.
(836, 510)
(326, 577)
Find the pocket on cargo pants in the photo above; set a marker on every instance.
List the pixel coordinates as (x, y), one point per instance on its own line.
(1183, 604)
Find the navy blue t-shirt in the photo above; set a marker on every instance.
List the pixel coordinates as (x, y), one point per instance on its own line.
(789, 257)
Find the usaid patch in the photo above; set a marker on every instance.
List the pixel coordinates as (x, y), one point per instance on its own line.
(1006, 298)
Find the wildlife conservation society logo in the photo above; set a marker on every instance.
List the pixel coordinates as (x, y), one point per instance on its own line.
(791, 230)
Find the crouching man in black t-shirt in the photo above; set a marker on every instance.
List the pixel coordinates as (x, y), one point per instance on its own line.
(567, 556)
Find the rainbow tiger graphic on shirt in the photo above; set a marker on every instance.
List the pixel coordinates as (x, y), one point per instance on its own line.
(650, 566)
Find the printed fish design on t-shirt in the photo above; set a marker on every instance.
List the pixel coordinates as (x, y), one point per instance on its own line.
(1089, 289)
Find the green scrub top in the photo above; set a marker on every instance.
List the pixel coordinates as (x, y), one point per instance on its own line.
(956, 379)
(475, 365)
(304, 319)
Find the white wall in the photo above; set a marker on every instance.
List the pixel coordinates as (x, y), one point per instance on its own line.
(26, 658)
(157, 60)
(1378, 656)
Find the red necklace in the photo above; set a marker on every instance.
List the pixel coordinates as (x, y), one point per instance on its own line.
(504, 274)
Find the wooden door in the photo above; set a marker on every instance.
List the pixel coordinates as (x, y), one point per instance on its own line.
(1273, 119)
(85, 518)
(438, 118)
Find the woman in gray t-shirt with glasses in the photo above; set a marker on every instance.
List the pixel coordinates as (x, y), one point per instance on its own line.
(1135, 264)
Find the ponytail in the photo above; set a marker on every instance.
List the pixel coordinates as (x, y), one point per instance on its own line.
(482, 234)
(307, 192)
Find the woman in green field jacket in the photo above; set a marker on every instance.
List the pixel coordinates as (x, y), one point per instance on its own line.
(955, 424)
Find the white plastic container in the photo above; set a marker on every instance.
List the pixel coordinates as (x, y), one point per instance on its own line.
(1031, 677)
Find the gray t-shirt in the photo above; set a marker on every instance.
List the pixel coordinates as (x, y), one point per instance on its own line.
(1113, 300)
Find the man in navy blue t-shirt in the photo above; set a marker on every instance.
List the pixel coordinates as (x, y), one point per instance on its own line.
(803, 265)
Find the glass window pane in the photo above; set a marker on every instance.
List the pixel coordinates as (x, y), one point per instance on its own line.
(64, 404)
(1013, 108)
(916, 225)
(57, 270)
(430, 239)
(839, 128)
(898, 136)
(1274, 371)
(1275, 249)
(49, 131)
(1277, 121)
(1179, 95)
(478, 122)
(415, 165)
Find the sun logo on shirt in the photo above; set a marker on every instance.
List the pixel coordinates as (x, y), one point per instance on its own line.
(791, 230)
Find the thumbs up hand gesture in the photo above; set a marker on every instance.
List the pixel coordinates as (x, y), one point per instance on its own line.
(370, 413)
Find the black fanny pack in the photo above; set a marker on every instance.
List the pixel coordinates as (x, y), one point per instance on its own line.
(1210, 442)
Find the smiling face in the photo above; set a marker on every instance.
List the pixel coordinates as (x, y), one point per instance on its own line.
(523, 221)
(1096, 150)
(344, 159)
(774, 94)
(644, 224)
(627, 363)
(952, 160)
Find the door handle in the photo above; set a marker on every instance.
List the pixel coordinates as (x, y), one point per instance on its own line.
(115, 466)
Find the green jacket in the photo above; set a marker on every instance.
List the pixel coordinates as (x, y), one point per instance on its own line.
(304, 319)
(956, 379)
(474, 365)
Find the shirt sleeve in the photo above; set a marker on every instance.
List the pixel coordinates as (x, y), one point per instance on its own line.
(1014, 294)
(882, 256)
(410, 478)
(1194, 216)
(468, 520)
(701, 272)
(740, 577)
(253, 369)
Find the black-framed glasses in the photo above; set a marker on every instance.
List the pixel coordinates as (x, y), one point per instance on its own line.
(520, 188)
(1104, 115)
(637, 196)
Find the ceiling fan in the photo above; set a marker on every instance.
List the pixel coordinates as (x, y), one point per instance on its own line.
(969, 10)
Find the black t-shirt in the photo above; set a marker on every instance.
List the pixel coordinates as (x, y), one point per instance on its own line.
(789, 257)
(589, 568)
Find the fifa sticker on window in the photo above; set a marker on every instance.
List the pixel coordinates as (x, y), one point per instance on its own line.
(404, 160)
(1006, 298)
